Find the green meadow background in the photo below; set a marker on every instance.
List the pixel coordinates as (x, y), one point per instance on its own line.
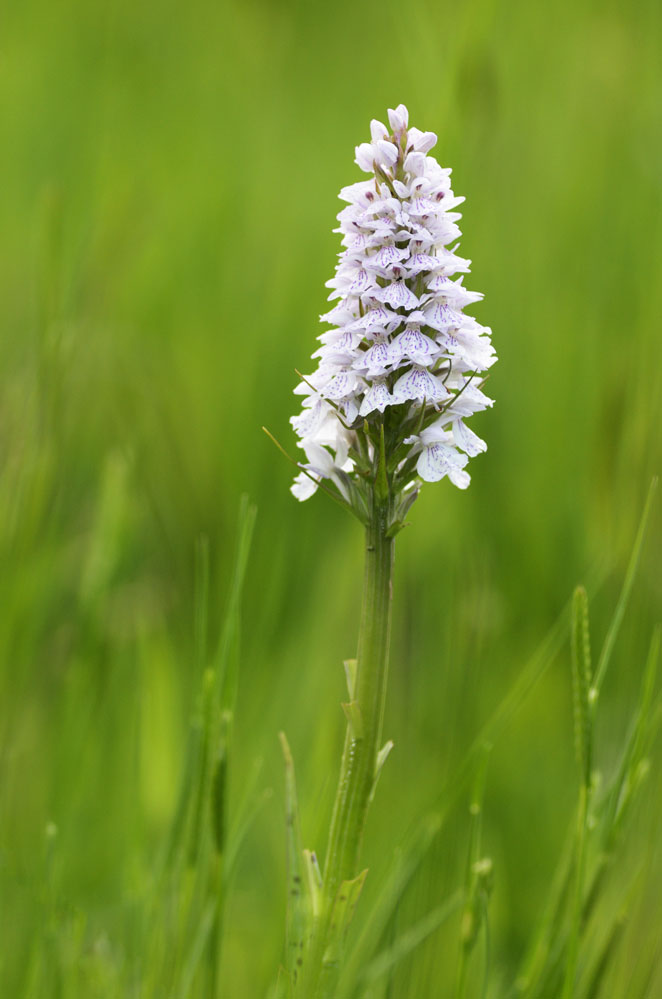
(168, 182)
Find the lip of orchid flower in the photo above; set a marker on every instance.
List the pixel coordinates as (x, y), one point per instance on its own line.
(402, 356)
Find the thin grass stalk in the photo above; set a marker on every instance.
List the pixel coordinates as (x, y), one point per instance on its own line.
(580, 872)
(471, 916)
(628, 582)
(581, 671)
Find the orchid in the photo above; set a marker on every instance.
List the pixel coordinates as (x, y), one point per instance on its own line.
(398, 373)
(401, 369)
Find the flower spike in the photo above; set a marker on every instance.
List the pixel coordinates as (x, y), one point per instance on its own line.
(397, 374)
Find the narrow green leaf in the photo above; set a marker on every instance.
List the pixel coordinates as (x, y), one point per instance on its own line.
(200, 939)
(581, 680)
(342, 913)
(395, 528)
(350, 674)
(406, 504)
(381, 484)
(547, 932)
(202, 768)
(411, 939)
(477, 876)
(313, 881)
(405, 864)
(297, 914)
(226, 660)
(590, 984)
(614, 628)
(618, 797)
(201, 611)
(382, 756)
(575, 935)
(283, 987)
(220, 784)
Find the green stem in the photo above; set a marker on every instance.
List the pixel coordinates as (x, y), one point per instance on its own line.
(357, 772)
(362, 741)
(580, 867)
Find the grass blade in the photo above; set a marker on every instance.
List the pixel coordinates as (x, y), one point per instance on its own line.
(412, 938)
(581, 683)
(614, 628)
(297, 909)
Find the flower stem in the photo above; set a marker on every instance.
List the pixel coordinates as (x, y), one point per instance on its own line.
(357, 772)
(366, 711)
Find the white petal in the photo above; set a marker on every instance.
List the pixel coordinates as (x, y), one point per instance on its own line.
(415, 164)
(421, 262)
(413, 344)
(303, 487)
(459, 477)
(471, 401)
(378, 130)
(398, 118)
(320, 461)
(424, 141)
(387, 152)
(343, 384)
(438, 460)
(376, 358)
(441, 317)
(397, 295)
(431, 465)
(350, 409)
(418, 384)
(387, 257)
(311, 418)
(467, 439)
(437, 434)
(377, 397)
(365, 157)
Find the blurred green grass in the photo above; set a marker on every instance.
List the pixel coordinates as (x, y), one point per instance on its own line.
(169, 188)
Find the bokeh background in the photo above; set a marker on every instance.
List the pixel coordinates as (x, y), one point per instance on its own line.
(169, 178)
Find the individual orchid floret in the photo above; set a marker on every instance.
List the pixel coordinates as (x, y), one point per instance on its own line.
(402, 366)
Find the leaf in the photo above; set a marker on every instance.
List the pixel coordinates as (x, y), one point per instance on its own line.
(549, 926)
(313, 881)
(381, 482)
(478, 877)
(283, 987)
(220, 785)
(581, 682)
(342, 912)
(614, 628)
(382, 756)
(297, 914)
(628, 776)
(202, 934)
(226, 660)
(405, 863)
(412, 938)
(350, 674)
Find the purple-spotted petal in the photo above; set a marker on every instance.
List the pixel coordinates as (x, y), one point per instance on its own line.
(377, 397)
(397, 295)
(467, 440)
(418, 383)
(438, 460)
